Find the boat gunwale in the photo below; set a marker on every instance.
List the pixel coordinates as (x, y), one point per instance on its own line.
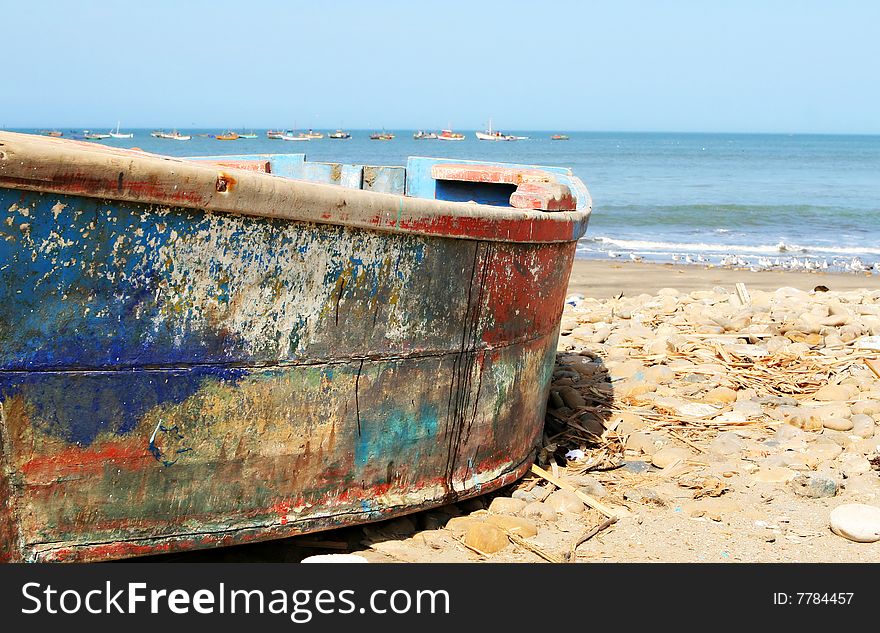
(61, 166)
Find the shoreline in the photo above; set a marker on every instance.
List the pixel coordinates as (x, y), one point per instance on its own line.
(603, 279)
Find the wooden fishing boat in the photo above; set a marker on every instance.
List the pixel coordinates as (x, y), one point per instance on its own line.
(381, 136)
(559, 137)
(340, 134)
(227, 136)
(275, 134)
(449, 135)
(203, 352)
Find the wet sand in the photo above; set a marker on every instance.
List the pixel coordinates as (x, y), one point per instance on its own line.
(602, 279)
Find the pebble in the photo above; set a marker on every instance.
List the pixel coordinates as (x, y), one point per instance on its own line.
(814, 485)
(821, 453)
(863, 425)
(565, 501)
(837, 424)
(460, 525)
(516, 525)
(589, 485)
(773, 475)
(749, 409)
(506, 505)
(659, 374)
(486, 537)
(572, 397)
(722, 395)
(636, 466)
(833, 393)
(857, 522)
(669, 455)
(645, 442)
(726, 443)
(335, 558)
(852, 464)
(538, 510)
(525, 495)
(866, 407)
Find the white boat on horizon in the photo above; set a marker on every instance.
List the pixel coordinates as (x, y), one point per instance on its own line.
(174, 136)
(494, 135)
(118, 134)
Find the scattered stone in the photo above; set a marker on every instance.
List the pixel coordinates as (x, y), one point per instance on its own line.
(852, 464)
(821, 453)
(774, 475)
(722, 395)
(838, 424)
(525, 495)
(538, 510)
(506, 505)
(646, 442)
(726, 443)
(814, 485)
(866, 407)
(636, 466)
(857, 522)
(659, 374)
(486, 537)
(565, 501)
(862, 425)
(460, 525)
(588, 485)
(572, 398)
(516, 525)
(669, 455)
(833, 393)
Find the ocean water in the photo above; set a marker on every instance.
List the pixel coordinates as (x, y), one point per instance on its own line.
(756, 201)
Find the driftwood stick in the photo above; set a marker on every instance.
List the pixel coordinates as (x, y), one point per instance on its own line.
(590, 501)
(874, 366)
(521, 542)
(590, 534)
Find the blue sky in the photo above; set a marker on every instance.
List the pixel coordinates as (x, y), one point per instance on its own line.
(736, 66)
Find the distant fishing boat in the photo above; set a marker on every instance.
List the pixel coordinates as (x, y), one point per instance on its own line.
(276, 134)
(384, 136)
(94, 136)
(340, 134)
(249, 135)
(227, 136)
(290, 136)
(314, 135)
(174, 136)
(449, 135)
(559, 137)
(494, 135)
(118, 134)
(424, 135)
(53, 133)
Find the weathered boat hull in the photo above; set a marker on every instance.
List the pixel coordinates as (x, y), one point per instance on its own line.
(176, 378)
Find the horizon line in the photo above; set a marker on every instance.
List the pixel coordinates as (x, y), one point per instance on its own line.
(407, 129)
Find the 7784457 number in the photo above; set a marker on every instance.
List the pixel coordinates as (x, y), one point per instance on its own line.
(813, 598)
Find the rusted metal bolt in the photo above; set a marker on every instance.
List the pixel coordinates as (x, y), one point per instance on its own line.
(221, 184)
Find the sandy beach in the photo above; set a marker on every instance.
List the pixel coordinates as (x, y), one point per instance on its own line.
(602, 279)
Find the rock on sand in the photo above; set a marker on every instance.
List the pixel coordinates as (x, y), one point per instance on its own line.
(857, 522)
